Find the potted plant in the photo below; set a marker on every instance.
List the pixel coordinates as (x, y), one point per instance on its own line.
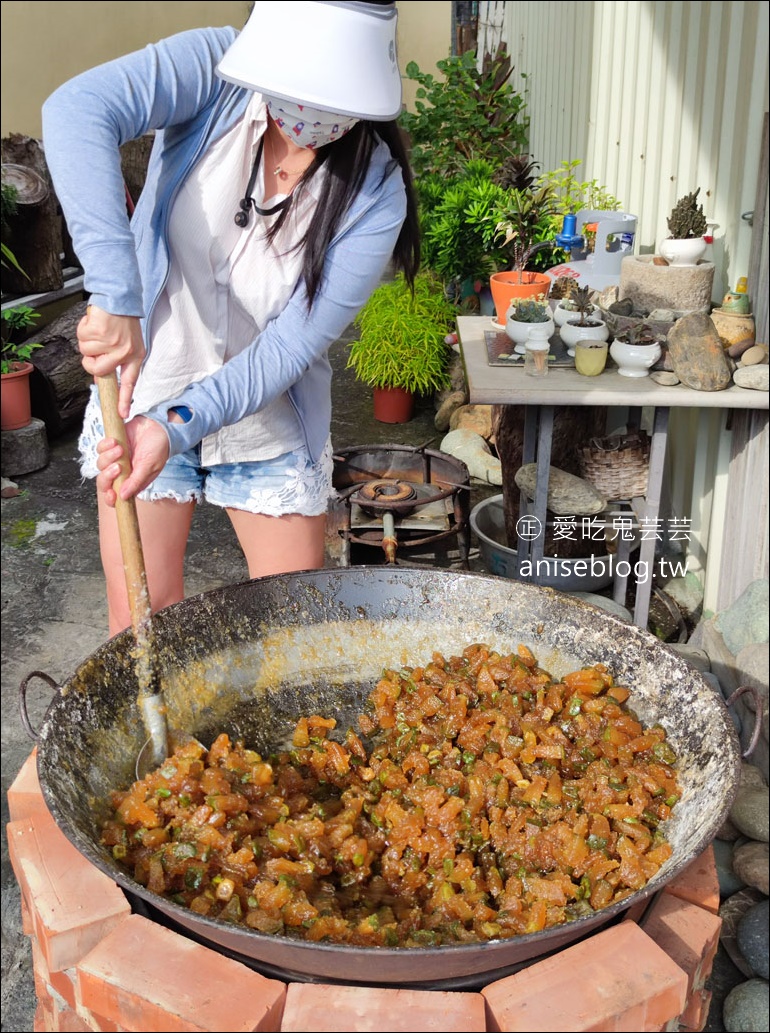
(584, 325)
(15, 367)
(521, 224)
(522, 316)
(687, 225)
(635, 350)
(401, 349)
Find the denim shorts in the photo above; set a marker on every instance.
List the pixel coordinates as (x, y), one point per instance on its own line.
(289, 483)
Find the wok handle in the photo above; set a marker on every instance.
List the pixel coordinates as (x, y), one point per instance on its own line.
(758, 703)
(23, 712)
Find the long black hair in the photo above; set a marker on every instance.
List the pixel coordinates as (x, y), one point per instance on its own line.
(347, 162)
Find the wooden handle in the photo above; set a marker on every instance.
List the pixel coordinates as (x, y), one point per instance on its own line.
(128, 523)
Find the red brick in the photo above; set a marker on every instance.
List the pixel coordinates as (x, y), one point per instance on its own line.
(51, 983)
(618, 979)
(72, 904)
(687, 933)
(695, 1016)
(27, 926)
(25, 797)
(146, 977)
(698, 883)
(321, 1008)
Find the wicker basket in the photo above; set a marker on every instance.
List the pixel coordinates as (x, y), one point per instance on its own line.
(617, 466)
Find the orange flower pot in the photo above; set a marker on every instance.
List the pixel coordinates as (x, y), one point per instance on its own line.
(15, 401)
(508, 286)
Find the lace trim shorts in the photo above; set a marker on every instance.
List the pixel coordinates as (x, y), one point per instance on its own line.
(288, 484)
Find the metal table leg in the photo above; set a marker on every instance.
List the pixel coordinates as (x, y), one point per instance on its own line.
(652, 508)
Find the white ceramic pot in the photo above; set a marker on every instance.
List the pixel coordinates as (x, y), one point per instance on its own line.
(688, 251)
(519, 333)
(571, 333)
(634, 360)
(562, 315)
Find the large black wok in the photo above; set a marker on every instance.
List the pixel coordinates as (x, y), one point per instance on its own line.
(252, 658)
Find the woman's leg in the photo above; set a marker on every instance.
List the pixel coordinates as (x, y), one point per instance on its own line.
(278, 545)
(164, 527)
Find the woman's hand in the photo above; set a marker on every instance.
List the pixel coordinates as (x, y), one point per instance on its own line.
(107, 342)
(148, 444)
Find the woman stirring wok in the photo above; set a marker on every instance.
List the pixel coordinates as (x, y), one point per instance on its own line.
(277, 193)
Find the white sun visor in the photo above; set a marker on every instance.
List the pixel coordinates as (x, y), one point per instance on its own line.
(339, 57)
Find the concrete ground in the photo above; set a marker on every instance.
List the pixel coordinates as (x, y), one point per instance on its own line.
(54, 617)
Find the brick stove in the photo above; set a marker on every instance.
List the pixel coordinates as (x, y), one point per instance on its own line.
(99, 967)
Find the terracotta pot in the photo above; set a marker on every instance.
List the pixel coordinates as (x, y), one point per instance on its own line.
(393, 404)
(508, 286)
(15, 403)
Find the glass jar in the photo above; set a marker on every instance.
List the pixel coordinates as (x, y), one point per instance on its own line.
(536, 351)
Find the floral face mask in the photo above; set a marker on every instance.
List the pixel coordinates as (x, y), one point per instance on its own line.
(306, 126)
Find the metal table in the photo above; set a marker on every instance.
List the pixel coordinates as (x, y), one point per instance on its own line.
(510, 385)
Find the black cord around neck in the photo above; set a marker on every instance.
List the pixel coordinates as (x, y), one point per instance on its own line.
(247, 202)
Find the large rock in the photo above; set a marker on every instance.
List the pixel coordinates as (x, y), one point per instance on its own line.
(473, 450)
(757, 378)
(752, 937)
(568, 495)
(745, 620)
(477, 418)
(697, 354)
(751, 863)
(750, 812)
(747, 1007)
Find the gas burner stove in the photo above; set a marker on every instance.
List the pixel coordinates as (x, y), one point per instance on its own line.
(398, 497)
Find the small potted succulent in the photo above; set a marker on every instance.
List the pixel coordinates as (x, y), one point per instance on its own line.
(584, 324)
(635, 350)
(523, 315)
(685, 244)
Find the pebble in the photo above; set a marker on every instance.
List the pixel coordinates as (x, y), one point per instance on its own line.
(751, 863)
(754, 356)
(568, 495)
(729, 881)
(751, 775)
(755, 377)
(753, 939)
(731, 911)
(664, 378)
(747, 1007)
(750, 814)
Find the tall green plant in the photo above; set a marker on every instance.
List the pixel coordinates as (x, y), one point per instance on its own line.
(464, 114)
(401, 336)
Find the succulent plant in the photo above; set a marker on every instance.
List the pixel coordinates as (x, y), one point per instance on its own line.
(531, 311)
(582, 304)
(687, 218)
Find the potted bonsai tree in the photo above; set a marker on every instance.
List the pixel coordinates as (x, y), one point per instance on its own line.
(401, 349)
(15, 367)
(687, 225)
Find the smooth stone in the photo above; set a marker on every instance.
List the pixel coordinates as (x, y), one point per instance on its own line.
(752, 665)
(749, 812)
(664, 378)
(751, 775)
(729, 882)
(757, 378)
(473, 450)
(449, 406)
(731, 911)
(687, 593)
(751, 863)
(746, 1008)
(728, 832)
(753, 938)
(568, 495)
(697, 658)
(477, 418)
(697, 354)
(754, 356)
(745, 621)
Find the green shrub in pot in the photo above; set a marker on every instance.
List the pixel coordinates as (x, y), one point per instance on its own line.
(401, 336)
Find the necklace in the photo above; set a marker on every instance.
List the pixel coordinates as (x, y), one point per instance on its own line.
(247, 202)
(278, 169)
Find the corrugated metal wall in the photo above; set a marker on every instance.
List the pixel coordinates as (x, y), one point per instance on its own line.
(656, 99)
